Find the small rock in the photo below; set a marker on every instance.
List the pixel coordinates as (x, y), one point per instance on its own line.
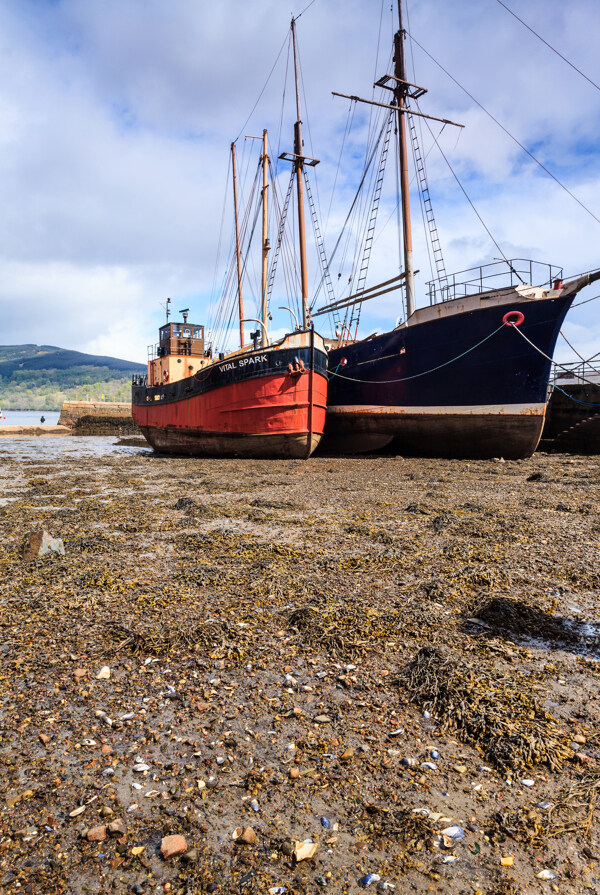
(116, 828)
(44, 738)
(248, 837)
(460, 768)
(79, 673)
(105, 811)
(546, 874)
(172, 846)
(103, 674)
(303, 851)
(579, 739)
(323, 719)
(96, 834)
(347, 755)
(294, 773)
(191, 856)
(40, 543)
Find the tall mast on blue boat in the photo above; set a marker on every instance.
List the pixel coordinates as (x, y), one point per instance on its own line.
(401, 90)
(299, 163)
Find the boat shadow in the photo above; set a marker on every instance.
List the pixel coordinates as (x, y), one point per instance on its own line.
(528, 624)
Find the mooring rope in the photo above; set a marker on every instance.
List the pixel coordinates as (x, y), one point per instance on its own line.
(577, 401)
(416, 375)
(556, 364)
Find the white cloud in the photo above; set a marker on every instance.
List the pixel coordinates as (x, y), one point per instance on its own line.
(117, 117)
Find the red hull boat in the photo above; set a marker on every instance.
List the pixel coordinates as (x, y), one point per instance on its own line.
(254, 403)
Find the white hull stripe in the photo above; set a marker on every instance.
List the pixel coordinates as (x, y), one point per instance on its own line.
(449, 410)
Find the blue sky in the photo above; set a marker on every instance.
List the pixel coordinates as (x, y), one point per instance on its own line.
(117, 117)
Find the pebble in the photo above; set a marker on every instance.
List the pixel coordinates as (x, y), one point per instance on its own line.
(305, 850)
(546, 874)
(323, 719)
(247, 835)
(116, 828)
(96, 834)
(172, 846)
(103, 674)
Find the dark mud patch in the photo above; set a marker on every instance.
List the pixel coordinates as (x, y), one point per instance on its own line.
(526, 622)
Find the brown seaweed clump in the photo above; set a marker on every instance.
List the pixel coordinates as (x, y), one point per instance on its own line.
(496, 714)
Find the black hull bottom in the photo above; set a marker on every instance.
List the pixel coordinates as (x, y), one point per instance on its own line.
(468, 436)
(207, 444)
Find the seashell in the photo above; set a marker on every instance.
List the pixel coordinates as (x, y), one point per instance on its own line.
(546, 874)
(454, 832)
(369, 879)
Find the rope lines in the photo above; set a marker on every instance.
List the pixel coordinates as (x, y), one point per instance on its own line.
(425, 372)
(550, 47)
(507, 132)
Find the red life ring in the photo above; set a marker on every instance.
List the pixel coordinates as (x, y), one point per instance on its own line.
(166, 376)
(513, 318)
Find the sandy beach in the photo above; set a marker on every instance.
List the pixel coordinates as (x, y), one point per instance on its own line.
(324, 676)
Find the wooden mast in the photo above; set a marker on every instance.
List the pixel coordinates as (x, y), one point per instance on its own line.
(265, 241)
(237, 247)
(400, 92)
(299, 168)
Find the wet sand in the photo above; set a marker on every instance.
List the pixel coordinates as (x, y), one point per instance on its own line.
(29, 431)
(361, 652)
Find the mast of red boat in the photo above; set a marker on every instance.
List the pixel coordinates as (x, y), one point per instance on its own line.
(400, 92)
(237, 247)
(265, 240)
(299, 165)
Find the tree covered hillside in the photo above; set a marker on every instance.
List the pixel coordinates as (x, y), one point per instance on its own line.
(42, 377)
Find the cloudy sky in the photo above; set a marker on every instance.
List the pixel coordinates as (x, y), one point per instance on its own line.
(116, 118)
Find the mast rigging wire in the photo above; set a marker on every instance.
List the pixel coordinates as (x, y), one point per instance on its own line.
(264, 87)
(550, 47)
(507, 132)
(466, 195)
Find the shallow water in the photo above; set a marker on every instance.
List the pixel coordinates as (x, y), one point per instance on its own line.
(28, 417)
(63, 447)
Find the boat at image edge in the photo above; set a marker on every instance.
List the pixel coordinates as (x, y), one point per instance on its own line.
(468, 375)
(263, 400)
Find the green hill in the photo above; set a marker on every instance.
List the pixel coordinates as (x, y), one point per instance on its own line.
(42, 377)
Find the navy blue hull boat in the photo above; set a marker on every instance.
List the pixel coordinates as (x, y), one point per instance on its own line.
(460, 379)
(466, 376)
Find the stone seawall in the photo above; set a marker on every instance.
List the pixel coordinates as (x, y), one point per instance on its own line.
(98, 418)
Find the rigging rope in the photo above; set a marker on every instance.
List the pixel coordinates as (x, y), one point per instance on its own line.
(550, 47)
(556, 364)
(572, 347)
(507, 132)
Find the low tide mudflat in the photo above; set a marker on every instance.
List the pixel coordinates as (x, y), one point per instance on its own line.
(394, 659)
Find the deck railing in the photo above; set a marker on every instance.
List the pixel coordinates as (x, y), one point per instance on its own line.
(489, 277)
